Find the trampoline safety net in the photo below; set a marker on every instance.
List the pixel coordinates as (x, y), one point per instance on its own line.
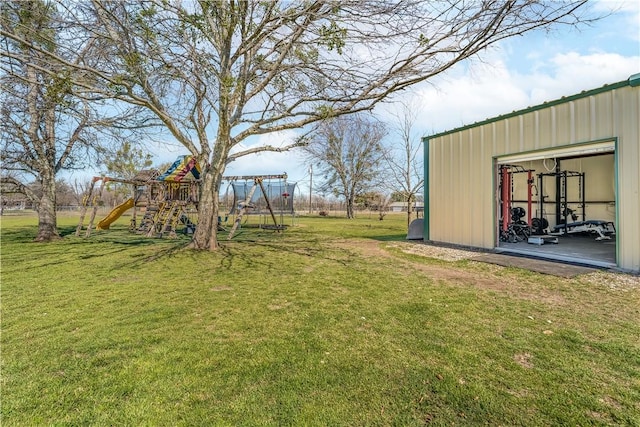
(280, 195)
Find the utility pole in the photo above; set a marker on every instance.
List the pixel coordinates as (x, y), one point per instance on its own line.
(310, 186)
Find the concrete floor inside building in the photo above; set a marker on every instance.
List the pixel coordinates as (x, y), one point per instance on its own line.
(584, 249)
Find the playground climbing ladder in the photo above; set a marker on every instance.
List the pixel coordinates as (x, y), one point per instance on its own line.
(165, 219)
(91, 200)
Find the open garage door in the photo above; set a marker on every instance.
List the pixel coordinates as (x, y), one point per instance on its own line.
(559, 203)
(560, 153)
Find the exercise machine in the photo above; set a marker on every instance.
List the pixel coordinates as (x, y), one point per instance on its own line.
(513, 227)
(567, 220)
(602, 229)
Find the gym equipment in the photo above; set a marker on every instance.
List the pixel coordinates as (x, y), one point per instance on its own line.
(542, 239)
(602, 229)
(517, 229)
(561, 203)
(539, 234)
(539, 226)
(512, 226)
(566, 218)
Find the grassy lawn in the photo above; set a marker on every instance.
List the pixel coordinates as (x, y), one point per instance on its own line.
(329, 323)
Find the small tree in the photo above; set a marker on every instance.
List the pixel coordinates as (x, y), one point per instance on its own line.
(348, 152)
(375, 201)
(405, 159)
(126, 161)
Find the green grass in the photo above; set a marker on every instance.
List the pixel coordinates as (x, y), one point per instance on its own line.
(320, 325)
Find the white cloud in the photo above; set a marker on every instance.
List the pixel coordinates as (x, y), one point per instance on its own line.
(467, 95)
(572, 73)
(621, 21)
(480, 91)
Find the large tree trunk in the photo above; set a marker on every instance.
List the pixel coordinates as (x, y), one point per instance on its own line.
(46, 207)
(409, 210)
(350, 214)
(206, 234)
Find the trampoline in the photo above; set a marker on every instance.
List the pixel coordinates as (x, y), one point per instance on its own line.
(269, 198)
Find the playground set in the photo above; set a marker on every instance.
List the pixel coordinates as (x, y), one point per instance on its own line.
(167, 203)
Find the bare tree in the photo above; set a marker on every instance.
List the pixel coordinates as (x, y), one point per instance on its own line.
(81, 190)
(45, 127)
(35, 108)
(218, 73)
(404, 158)
(348, 153)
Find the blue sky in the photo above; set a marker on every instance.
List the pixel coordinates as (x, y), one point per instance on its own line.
(518, 73)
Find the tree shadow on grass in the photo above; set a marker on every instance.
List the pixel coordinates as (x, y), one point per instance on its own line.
(98, 244)
(19, 234)
(27, 234)
(316, 250)
(66, 230)
(390, 237)
(117, 235)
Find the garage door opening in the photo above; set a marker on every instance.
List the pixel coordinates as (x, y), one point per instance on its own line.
(559, 204)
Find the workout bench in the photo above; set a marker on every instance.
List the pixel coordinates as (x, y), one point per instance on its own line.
(604, 229)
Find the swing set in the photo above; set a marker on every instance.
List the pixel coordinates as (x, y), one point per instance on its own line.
(268, 197)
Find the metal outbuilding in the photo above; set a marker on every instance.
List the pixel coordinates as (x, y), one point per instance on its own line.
(566, 172)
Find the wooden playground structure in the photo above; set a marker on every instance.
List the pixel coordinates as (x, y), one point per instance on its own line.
(165, 203)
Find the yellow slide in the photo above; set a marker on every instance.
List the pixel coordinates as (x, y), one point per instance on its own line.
(114, 214)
